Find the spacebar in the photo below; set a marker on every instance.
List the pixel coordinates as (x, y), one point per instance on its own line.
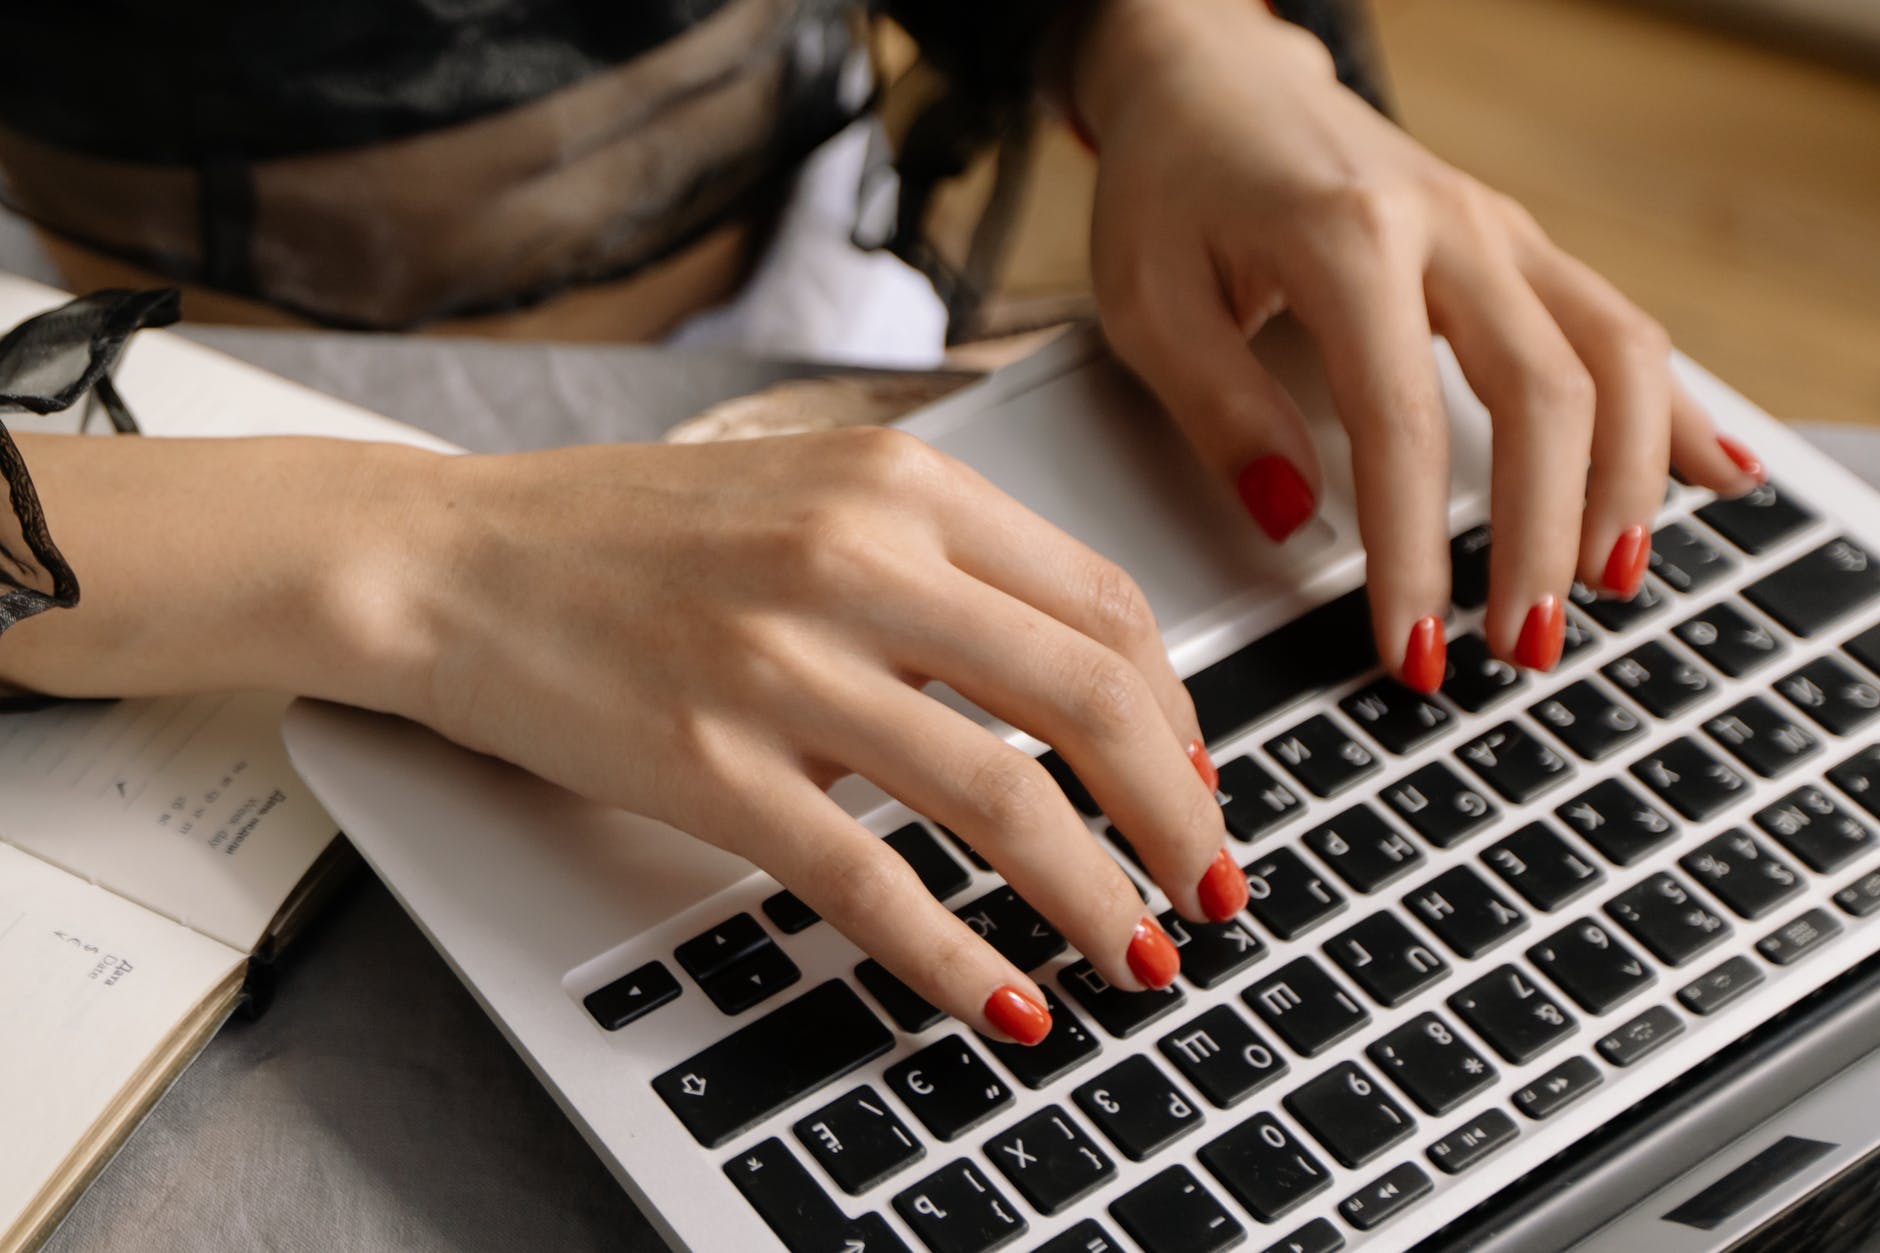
(763, 1066)
(1322, 648)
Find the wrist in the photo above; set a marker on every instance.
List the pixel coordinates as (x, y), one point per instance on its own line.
(1124, 52)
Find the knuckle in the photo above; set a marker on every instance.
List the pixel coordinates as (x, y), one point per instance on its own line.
(1108, 698)
(1643, 339)
(1010, 793)
(863, 881)
(887, 457)
(833, 548)
(1375, 211)
(1118, 609)
(1558, 391)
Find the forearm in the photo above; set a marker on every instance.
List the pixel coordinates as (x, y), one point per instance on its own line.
(220, 564)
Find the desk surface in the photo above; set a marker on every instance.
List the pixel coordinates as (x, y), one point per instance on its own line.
(375, 1106)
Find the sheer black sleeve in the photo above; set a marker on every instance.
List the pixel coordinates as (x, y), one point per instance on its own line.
(48, 364)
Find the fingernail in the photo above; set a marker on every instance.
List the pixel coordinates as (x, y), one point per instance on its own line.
(1276, 495)
(1204, 765)
(1426, 656)
(1152, 956)
(1745, 460)
(1223, 890)
(1625, 568)
(1542, 635)
(1017, 1015)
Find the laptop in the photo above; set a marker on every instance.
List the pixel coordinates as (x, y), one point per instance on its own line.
(1583, 959)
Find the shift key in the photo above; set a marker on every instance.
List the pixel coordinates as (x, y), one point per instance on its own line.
(767, 1064)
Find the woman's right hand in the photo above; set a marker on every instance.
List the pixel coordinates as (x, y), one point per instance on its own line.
(711, 635)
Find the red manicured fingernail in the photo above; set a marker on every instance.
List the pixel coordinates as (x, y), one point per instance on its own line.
(1542, 635)
(1204, 765)
(1426, 656)
(1152, 956)
(1276, 495)
(1223, 889)
(1017, 1015)
(1745, 460)
(1625, 568)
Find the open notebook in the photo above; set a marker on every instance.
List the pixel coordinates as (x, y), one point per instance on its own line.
(148, 849)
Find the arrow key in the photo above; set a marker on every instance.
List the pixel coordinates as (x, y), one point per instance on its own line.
(1386, 1196)
(632, 996)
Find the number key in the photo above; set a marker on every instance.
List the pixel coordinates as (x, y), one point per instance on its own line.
(1346, 1112)
(1742, 873)
(1662, 915)
(1519, 1021)
(1589, 965)
(1435, 1067)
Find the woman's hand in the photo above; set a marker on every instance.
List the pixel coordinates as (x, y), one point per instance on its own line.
(713, 634)
(1238, 178)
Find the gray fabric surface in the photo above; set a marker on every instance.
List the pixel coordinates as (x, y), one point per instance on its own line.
(374, 1105)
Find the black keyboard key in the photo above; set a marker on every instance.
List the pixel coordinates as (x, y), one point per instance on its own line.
(1758, 521)
(958, 1210)
(1120, 1013)
(1174, 1213)
(1657, 678)
(1691, 780)
(1050, 1160)
(1641, 1036)
(1288, 896)
(1464, 912)
(858, 1140)
(1386, 1196)
(1576, 636)
(942, 875)
(1763, 737)
(794, 1205)
(1472, 1142)
(1434, 1066)
(1590, 965)
(1264, 1167)
(1730, 639)
(755, 977)
(1347, 1112)
(1366, 852)
(1740, 871)
(948, 1087)
(1439, 806)
(1839, 700)
(1256, 801)
(1386, 960)
(1396, 717)
(1798, 937)
(632, 996)
(1322, 648)
(1816, 591)
(1865, 648)
(1069, 1045)
(1468, 568)
(1558, 1088)
(768, 1063)
(908, 1008)
(1514, 763)
(1588, 721)
(1685, 561)
(1317, 1236)
(1617, 821)
(1003, 919)
(1667, 918)
(966, 850)
(1859, 777)
(1509, 1010)
(1618, 615)
(1547, 871)
(1088, 1236)
(1861, 898)
(1720, 986)
(1811, 824)
(730, 941)
(788, 913)
(1212, 952)
(1073, 787)
(1306, 1007)
(1137, 1107)
(1321, 755)
(1222, 1056)
(1477, 678)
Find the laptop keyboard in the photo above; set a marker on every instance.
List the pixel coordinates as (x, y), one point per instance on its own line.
(1467, 913)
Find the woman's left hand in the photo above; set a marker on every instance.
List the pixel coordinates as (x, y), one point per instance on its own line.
(1237, 178)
